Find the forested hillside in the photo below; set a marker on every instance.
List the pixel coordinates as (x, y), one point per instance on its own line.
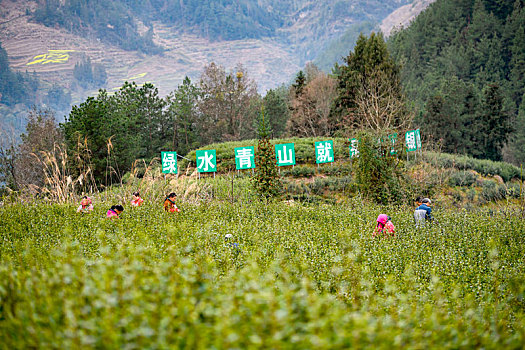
(305, 25)
(463, 67)
(15, 87)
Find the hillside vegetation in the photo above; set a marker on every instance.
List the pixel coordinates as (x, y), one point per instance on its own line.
(163, 41)
(463, 65)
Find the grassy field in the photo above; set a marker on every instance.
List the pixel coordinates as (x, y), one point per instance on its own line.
(297, 277)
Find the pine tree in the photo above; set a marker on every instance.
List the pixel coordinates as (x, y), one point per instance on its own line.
(369, 87)
(495, 123)
(300, 82)
(266, 180)
(517, 141)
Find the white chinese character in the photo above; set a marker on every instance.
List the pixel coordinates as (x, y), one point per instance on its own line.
(286, 158)
(206, 161)
(245, 157)
(354, 152)
(169, 162)
(323, 152)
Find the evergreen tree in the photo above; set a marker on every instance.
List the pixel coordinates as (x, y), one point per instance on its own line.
(89, 121)
(375, 170)
(370, 76)
(266, 180)
(517, 139)
(277, 112)
(300, 83)
(183, 114)
(450, 117)
(495, 123)
(515, 32)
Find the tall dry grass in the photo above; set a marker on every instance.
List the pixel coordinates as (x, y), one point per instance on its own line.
(60, 186)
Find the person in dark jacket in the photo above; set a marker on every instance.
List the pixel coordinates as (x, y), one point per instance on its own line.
(425, 205)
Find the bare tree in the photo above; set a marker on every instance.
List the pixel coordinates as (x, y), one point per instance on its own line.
(311, 109)
(379, 105)
(226, 104)
(42, 135)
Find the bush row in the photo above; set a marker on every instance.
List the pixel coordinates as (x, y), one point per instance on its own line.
(483, 166)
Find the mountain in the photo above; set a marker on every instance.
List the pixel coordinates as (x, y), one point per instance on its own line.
(162, 41)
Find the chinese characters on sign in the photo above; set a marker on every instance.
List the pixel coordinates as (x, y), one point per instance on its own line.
(285, 154)
(206, 161)
(413, 140)
(324, 152)
(354, 152)
(393, 139)
(244, 158)
(410, 140)
(418, 139)
(169, 162)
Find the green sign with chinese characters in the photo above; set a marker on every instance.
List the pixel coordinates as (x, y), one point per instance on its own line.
(285, 154)
(413, 140)
(410, 141)
(393, 139)
(418, 139)
(354, 152)
(324, 152)
(169, 162)
(206, 161)
(244, 158)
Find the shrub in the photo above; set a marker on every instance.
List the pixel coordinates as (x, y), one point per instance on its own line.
(491, 191)
(299, 171)
(462, 178)
(483, 166)
(375, 171)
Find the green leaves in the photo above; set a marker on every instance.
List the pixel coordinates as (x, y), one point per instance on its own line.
(289, 277)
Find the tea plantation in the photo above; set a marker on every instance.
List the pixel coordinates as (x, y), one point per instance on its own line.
(290, 277)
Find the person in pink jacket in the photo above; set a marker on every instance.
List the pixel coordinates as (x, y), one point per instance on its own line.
(115, 211)
(384, 227)
(86, 205)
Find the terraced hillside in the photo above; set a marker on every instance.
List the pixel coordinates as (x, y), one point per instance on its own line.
(33, 47)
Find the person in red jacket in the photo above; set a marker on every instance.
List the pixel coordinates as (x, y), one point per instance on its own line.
(136, 201)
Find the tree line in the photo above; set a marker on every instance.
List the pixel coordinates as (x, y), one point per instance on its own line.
(113, 130)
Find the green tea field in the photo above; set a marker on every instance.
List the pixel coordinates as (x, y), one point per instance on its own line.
(290, 277)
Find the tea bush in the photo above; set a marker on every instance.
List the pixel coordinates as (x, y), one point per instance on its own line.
(462, 178)
(483, 166)
(291, 276)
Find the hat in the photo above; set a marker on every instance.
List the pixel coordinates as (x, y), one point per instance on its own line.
(426, 200)
(382, 218)
(229, 235)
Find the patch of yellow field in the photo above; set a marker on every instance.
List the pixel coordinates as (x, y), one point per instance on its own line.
(141, 75)
(52, 56)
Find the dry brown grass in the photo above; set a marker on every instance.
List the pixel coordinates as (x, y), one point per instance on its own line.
(60, 186)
